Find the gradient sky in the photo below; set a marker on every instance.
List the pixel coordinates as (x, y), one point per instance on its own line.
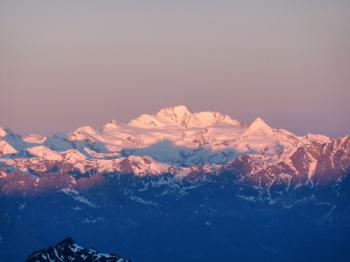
(64, 64)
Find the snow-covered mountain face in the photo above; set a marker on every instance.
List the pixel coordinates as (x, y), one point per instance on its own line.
(174, 141)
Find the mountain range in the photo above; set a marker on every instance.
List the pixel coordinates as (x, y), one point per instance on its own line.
(174, 141)
(177, 186)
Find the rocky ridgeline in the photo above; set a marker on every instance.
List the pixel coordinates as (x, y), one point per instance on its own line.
(67, 250)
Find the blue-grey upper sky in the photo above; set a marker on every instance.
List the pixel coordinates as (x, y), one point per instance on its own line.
(64, 64)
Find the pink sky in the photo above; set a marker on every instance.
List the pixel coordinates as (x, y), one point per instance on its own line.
(65, 64)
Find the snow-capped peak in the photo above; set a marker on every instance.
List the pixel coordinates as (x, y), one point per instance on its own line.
(68, 250)
(207, 118)
(179, 111)
(146, 121)
(44, 152)
(35, 139)
(112, 125)
(259, 126)
(258, 122)
(6, 148)
(180, 116)
(7, 132)
(2, 132)
(82, 133)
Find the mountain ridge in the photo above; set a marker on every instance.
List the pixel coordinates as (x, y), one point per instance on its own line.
(68, 250)
(178, 141)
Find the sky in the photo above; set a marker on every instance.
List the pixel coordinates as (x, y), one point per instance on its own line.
(66, 64)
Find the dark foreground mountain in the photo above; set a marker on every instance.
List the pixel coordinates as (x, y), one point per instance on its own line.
(68, 251)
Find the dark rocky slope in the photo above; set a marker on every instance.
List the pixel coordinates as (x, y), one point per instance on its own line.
(67, 250)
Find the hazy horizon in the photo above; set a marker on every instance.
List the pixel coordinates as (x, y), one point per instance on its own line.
(68, 64)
